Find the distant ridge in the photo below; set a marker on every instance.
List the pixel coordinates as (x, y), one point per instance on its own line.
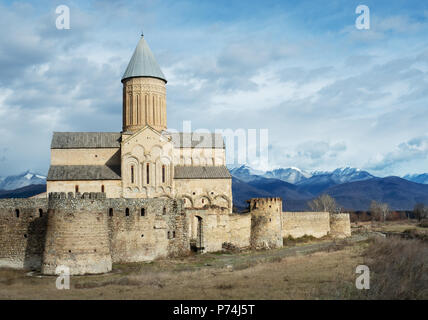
(24, 192)
(353, 188)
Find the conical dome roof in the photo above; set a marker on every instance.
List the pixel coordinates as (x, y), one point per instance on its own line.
(143, 63)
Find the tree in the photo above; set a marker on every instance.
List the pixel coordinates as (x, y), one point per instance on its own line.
(324, 203)
(379, 210)
(420, 211)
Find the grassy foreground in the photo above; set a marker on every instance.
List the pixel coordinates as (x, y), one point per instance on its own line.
(311, 270)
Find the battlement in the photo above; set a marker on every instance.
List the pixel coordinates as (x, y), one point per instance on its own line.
(266, 204)
(77, 195)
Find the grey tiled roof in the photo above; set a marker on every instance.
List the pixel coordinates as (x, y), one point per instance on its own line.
(197, 140)
(89, 140)
(65, 173)
(143, 63)
(72, 140)
(196, 172)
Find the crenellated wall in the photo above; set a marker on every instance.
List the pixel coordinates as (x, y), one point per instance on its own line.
(77, 234)
(88, 232)
(149, 229)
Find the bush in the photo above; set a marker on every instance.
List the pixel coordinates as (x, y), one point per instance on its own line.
(424, 223)
(290, 241)
(398, 269)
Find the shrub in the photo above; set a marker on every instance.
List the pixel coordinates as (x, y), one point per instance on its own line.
(398, 269)
(424, 223)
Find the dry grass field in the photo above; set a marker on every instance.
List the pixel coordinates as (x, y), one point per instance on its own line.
(311, 270)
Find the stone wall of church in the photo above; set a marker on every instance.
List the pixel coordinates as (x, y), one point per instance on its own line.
(147, 169)
(199, 156)
(87, 157)
(198, 193)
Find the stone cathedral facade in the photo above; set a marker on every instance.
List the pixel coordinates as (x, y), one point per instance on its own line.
(141, 194)
(145, 160)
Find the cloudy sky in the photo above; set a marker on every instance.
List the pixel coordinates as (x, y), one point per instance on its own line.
(329, 94)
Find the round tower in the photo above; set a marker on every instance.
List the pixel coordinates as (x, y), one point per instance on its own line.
(144, 91)
(266, 223)
(77, 234)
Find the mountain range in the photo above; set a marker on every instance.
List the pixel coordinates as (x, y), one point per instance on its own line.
(21, 180)
(352, 188)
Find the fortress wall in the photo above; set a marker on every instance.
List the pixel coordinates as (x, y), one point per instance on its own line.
(22, 237)
(298, 224)
(266, 223)
(77, 235)
(219, 227)
(340, 225)
(215, 227)
(113, 188)
(240, 230)
(155, 234)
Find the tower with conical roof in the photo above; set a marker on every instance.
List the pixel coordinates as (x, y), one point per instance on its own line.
(144, 91)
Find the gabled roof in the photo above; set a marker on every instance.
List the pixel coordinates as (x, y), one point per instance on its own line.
(64, 173)
(143, 63)
(85, 140)
(201, 172)
(131, 135)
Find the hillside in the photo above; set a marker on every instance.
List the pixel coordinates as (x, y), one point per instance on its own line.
(24, 192)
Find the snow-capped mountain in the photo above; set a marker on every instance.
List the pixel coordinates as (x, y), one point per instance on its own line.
(291, 175)
(322, 180)
(245, 173)
(300, 177)
(418, 178)
(348, 174)
(21, 180)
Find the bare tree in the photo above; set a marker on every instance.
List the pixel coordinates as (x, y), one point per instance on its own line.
(420, 211)
(324, 203)
(379, 210)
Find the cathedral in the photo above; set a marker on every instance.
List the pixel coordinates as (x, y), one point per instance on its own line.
(141, 194)
(144, 160)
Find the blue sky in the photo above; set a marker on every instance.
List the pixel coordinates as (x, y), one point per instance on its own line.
(329, 94)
